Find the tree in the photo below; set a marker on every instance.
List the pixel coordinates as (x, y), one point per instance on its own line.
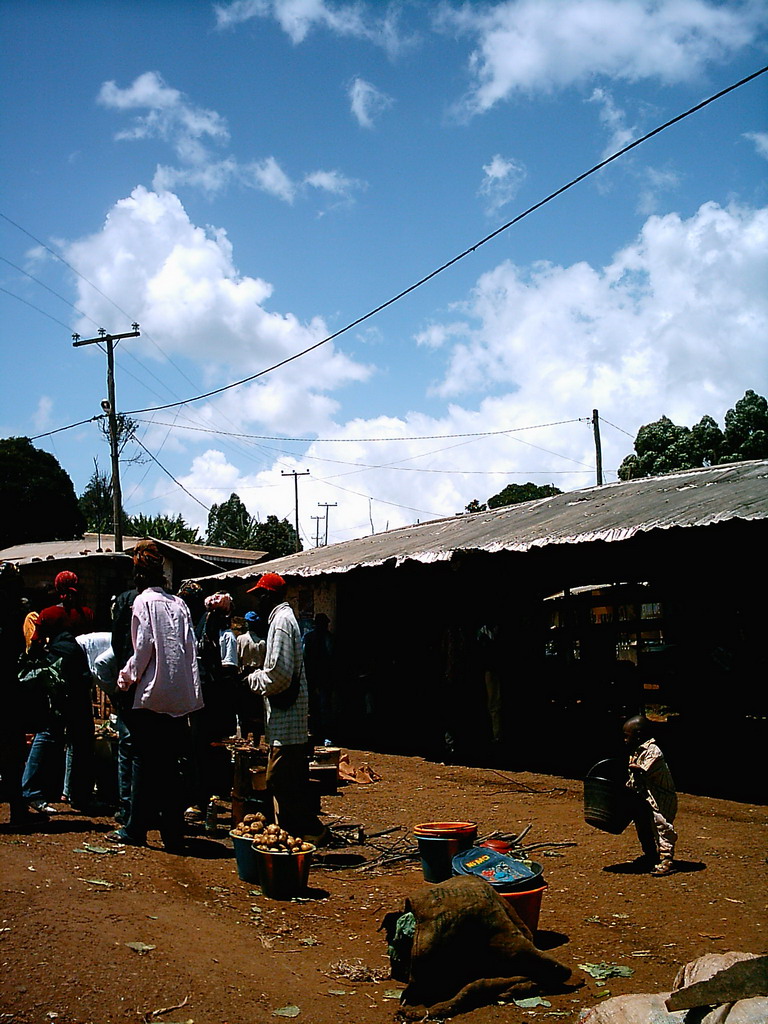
(664, 447)
(746, 429)
(96, 503)
(231, 525)
(513, 494)
(37, 496)
(163, 528)
(276, 536)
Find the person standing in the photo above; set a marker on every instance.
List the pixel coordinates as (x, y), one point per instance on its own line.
(318, 663)
(283, 684)
(13, 745)
(650, 780)
(70, 723)
(162, 674)
(251, 648)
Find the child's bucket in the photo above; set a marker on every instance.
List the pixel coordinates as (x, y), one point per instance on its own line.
(527, 904)
(437, 853)
(283, 875)
(247, 863)
(607, 801)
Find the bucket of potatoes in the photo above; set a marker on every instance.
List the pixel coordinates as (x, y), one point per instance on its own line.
(272, 858)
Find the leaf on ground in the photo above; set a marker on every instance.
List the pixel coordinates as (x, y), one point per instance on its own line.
(140, 947)
(287, 1011)
(526, 1004)
(101, 849)
(607, 970)
(309, 940)
(98, 881)
(391, 993)
(337, 991)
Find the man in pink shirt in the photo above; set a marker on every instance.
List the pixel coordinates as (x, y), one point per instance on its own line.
(163, 676)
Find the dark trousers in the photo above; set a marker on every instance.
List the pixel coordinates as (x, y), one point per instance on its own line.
(157, 795)
(288, 785)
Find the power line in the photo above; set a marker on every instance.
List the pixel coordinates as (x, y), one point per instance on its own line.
(466, 252)
(370, 440)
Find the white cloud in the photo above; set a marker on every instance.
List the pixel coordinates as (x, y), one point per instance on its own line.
(169, 116)
(527, 46)
(367, 102)
(180, 283)
(613, 118)
(680, 310)
(269, 176)
(501, 182)
(297, 18)
(760, 140)
(42, 414)
(172, 119)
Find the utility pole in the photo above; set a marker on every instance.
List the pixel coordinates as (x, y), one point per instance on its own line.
(598, 448)
(108, 405)
(317, 530)
(296, 476)
(326, 505)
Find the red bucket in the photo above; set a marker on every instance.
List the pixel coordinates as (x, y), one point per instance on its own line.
(527, 904)
(283, 875)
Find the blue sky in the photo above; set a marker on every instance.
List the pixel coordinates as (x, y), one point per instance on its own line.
(244, 179)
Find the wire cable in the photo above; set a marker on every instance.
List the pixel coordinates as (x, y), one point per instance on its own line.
(466, 252)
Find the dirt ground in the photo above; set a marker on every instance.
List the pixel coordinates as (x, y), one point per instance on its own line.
(222, 952)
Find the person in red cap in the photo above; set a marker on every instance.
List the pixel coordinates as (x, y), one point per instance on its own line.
(283, 684)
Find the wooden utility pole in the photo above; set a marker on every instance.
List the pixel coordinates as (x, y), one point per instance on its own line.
(326, 505)
(598, 448)
(317, 530)
(108, 405)
(296, 476)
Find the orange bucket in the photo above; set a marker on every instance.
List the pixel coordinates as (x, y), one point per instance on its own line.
(443, 829)
(526, 904)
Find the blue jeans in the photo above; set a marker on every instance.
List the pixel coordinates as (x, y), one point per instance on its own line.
(42, 779)
(125, 765)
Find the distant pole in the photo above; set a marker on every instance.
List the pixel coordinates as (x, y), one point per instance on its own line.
(326, 505)
(317, 530)
(598, 448)
(110, 409)
(296, 476)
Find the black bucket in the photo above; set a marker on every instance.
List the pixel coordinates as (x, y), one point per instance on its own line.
(607, 801)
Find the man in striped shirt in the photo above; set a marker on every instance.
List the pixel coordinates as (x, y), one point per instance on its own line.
(283, 684)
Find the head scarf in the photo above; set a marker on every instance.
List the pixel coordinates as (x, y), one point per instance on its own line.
(219, 603)
(190, 589)
(66, 584)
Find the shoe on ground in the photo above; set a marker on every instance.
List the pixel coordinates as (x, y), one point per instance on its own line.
(42, 807)
(664, 867)
(121, 838)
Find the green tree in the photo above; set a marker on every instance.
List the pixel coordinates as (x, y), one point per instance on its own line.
(746, 429)
(163, 528)
(230, 525)
(36, 495)
(513, 494)
(276, 536)
(664, 447)
(96, 503)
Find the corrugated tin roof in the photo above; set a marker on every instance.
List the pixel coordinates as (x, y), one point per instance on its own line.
(613, 512)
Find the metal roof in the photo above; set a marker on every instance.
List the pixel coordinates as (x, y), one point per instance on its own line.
(612, 512)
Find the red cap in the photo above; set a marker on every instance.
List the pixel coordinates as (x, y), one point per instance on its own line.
(269, 581)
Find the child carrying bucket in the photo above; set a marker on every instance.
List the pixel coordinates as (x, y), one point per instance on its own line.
(656, 798)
